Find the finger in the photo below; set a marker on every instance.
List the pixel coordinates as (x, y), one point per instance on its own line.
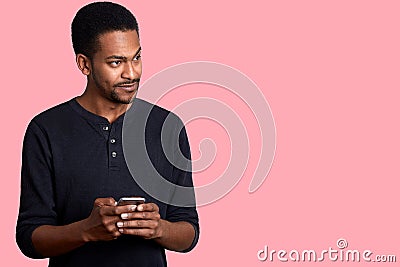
(151, 224)
(117, 210)
(114, 233)
(125, 209)
(148, 207)
(143, 215)
(143, 232)
(109, 201)
(108, 211)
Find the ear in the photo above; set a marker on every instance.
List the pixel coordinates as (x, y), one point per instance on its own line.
(83, 63)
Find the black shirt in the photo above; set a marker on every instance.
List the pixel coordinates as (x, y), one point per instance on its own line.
(71, 157)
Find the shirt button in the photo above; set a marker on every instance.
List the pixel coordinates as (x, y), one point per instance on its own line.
(112, 141)
(114, 154)
(105, 128)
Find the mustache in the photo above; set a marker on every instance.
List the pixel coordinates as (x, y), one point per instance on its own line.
(127, 82)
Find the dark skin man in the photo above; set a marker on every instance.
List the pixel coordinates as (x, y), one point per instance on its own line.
(113, 75)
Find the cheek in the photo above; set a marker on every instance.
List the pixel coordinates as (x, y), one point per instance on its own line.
(140, 69)
(108, 76)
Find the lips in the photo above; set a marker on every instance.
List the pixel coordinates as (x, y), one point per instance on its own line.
(128, 87)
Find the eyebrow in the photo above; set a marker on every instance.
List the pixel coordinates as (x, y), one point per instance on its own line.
(122, 57)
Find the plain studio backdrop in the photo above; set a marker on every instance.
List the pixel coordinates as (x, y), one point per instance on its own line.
(330, 73)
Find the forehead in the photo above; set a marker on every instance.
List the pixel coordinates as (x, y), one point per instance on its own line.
(122, 43)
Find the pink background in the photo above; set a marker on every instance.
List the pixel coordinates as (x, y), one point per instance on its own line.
(330, 72)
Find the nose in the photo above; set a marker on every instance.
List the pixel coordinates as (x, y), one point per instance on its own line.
(131, 71)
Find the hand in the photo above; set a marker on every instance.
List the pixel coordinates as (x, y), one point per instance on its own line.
(101, 223)
(144, 221)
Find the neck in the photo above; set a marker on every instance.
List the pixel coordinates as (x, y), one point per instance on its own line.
(102, 106)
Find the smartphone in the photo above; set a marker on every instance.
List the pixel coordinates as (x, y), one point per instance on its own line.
(130, 201)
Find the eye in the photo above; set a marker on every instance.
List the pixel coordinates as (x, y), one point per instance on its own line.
(115, 63)
(138, 57)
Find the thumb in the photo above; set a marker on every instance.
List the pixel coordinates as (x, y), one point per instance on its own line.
(108, 201)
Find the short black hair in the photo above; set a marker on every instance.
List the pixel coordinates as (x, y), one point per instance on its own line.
(98, 18)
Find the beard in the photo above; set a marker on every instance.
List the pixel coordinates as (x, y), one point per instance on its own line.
(114, 96)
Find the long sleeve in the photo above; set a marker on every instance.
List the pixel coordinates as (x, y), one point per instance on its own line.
(183, 175)
(36, 200)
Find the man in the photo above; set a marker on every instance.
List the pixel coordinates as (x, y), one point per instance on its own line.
(74, 168)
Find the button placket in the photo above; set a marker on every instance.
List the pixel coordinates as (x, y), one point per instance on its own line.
(113, 153)
(114, 147)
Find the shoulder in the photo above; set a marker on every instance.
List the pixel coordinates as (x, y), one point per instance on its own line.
(53, 117)
(54, 113)
(156, 114)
